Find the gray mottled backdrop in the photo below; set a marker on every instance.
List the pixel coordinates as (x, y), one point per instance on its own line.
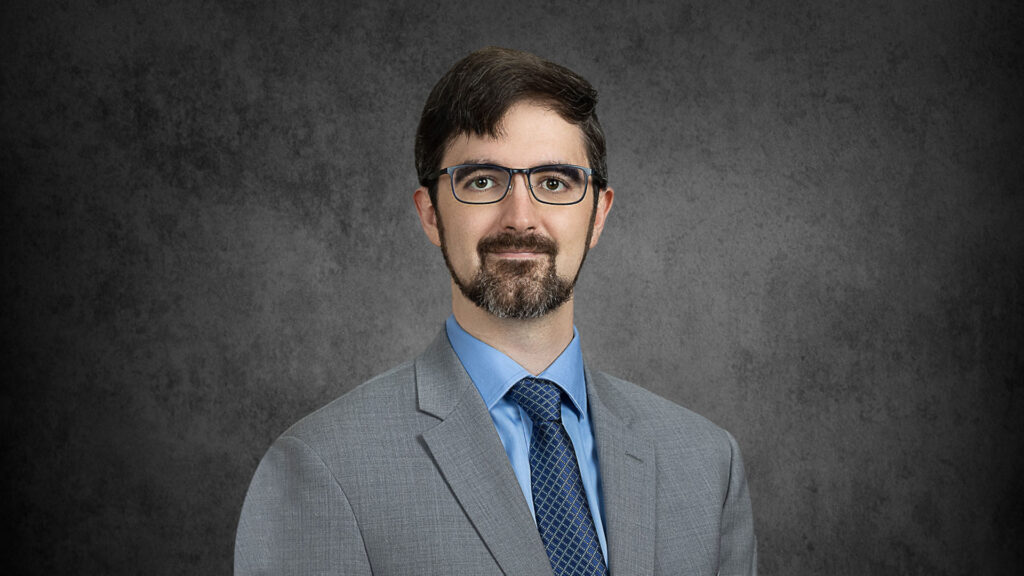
(816, 242)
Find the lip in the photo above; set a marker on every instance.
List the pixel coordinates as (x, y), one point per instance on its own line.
(517, 254)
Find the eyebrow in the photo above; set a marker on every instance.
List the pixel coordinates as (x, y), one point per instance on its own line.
(493, 163)
(570, 173)
(465, 175)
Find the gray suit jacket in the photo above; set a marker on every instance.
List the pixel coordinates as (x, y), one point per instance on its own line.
(406, 474)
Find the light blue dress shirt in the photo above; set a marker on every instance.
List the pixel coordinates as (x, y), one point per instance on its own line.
(494, 374)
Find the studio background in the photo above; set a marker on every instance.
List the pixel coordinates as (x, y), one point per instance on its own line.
(816, 242)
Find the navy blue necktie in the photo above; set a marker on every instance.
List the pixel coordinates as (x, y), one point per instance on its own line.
(559, 502)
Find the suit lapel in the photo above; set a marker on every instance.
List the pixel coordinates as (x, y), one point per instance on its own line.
(626, 462)
(469, 454)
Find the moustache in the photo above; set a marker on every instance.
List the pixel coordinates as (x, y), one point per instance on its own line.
(507, 241)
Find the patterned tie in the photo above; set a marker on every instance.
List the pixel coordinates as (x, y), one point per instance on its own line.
(563, 516)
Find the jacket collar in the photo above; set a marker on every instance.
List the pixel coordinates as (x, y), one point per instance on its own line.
(469, 454)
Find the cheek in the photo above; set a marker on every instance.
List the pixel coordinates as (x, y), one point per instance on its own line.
(571, 248)
(461, 245)
(463, 232)
(574, 232)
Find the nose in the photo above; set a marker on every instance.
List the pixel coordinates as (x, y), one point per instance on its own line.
(519, 208)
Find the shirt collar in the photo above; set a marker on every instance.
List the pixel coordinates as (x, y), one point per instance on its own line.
(494, 373)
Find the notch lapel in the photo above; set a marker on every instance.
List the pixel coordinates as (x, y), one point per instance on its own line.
(468, 452)
(626, 462)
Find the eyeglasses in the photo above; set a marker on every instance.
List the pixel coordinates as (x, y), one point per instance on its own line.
(488, 183)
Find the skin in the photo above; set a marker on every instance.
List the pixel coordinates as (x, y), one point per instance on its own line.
(530, 135)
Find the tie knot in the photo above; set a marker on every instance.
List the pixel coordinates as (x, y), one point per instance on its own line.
(541, 399)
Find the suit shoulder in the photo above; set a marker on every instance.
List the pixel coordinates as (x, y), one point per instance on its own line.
(360, 411)
(664, 418)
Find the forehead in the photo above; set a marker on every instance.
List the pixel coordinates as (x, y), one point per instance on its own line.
(529, 134)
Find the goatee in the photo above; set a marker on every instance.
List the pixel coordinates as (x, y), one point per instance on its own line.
(514, 288)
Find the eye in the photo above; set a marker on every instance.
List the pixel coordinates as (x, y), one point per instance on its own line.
(553, 185)
(481, 183)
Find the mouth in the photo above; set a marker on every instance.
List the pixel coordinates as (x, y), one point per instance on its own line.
(516, 254)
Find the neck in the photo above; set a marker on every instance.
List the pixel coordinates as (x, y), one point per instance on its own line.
(533, 343)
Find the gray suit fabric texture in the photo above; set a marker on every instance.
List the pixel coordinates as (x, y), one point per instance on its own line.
(406, 474)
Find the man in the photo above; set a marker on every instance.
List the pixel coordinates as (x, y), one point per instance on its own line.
(496, 451)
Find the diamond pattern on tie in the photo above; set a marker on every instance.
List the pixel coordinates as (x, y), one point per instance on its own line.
(563, 516)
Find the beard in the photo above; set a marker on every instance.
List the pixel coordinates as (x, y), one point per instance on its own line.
(516, 289)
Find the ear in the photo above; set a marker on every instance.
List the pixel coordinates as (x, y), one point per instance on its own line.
(428, 216)
(604, 205)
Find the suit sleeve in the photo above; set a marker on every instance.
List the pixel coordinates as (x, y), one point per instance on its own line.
(296, 519)
(738, 546)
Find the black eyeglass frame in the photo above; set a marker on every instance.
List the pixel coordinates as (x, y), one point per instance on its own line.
(587, 172)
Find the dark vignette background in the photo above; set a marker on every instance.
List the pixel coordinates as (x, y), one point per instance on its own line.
(208, 232)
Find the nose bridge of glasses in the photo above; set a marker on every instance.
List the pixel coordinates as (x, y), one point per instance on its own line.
(525, 173)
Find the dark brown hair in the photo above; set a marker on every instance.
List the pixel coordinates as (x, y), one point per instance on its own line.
(473, 97)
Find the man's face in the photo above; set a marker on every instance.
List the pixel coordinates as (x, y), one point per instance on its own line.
(517, 258)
